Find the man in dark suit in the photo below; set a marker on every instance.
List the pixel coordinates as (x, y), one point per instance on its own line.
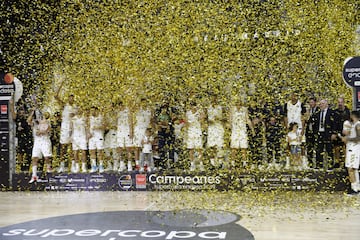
(324, 128)
(342, 114)
(309, 131)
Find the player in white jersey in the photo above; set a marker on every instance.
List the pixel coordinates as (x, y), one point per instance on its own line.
(295, 111)
(79, 138)
(143, 120)
(96, 140)
(215, 131)
(352, 158)
(125, 135)
(147, 160)
(239, 119)
(65, 128)
(194, 143)
(110, 142)
(42, 143)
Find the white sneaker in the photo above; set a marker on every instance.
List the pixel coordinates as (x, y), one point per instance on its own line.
(73, 168)
(101, 168)
(148, 169)
(77, 168)
(116, 165)
(141, 169)
(122, 167)
(33, 179)
(61, 169)
(201, 167)
(129, 167)
(93, 169)
(192, 167)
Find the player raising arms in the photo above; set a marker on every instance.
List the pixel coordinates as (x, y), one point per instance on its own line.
(42, 143)
(65, 131)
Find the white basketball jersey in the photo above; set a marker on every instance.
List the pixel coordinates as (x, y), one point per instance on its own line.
(95, 123)
(214, 113)
(238, 117)
(143, 117)
(123, 118)
(294, 113)
(79, 126)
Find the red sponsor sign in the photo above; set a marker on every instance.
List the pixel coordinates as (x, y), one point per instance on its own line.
(3, 109)
(141, 181)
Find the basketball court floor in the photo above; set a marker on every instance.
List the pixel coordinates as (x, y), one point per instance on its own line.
(179, 215)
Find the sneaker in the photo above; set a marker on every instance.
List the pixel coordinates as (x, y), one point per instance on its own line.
(192, 167)
(93, 169)
(141, 169)
(351, 192)
(122, 167)
(61, 168)
(73, 168)
(148, 169)
(116, 165)
(77, 168)
(129, 168)
(33, 179)
(201, 167)
(83, 170)
(101, 169)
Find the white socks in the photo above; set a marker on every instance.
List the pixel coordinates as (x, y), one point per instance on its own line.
(34, 171)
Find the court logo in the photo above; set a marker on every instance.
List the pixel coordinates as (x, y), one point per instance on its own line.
(125, 182)
(134, 225)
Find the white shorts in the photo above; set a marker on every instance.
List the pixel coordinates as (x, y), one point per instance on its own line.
(96, 143)
(139, 133)
(41, 148)
(110, 139)
(65, 133)
(352, 159)
(194, 139)
(215, 137)
(124, 140)
(239, 139)
(79, 143)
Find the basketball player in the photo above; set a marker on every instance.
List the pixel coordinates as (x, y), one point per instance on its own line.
(65, 133)
(124, 135)
(79, 137)
(194, 144)
(96, 140)
(295, 112)
(215, 131)
(110, 142)
(239, 118)
(352, 158)
(42, 143)
(147, 161)
(143, 120)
